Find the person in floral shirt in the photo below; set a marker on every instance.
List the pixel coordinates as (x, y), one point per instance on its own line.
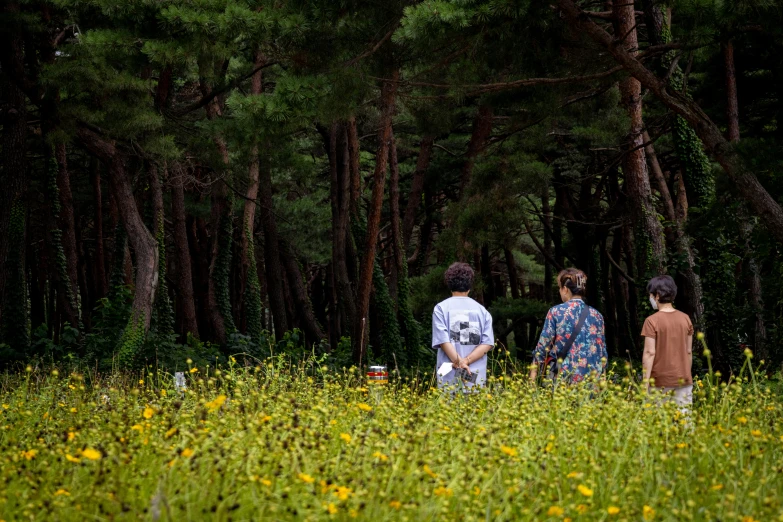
(587, 354)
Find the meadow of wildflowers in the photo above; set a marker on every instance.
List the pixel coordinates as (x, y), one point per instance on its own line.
(277, 442)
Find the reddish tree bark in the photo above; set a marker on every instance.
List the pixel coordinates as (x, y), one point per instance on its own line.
(70, 304)
(634, 164)
(482, 129)
(417, 188)
(732, 107)
(388, 91)
(185, 297)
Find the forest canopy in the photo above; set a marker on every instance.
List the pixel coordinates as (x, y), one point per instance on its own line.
(197, 179)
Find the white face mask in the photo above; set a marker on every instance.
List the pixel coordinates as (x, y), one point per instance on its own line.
(653, 303)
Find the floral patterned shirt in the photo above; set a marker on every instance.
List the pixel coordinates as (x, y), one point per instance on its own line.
(587, 354)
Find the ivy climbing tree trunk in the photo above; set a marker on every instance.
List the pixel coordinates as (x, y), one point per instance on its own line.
(163, 312)
(652, 251)
(396, 232)
(249, 298)
(388, 91)
(68, 228)
(757, 197)
(100, 283)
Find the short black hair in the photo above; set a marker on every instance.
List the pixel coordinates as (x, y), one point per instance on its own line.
(664, 287)
(459, 277)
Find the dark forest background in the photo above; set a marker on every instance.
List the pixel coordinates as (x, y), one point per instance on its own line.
(200, 178)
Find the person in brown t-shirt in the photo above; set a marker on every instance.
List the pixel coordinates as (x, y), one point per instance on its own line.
(668, 343)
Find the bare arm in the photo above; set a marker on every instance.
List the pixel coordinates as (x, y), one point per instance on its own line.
(450, 352)
(477, 353)
(648, 358)
(689, 347)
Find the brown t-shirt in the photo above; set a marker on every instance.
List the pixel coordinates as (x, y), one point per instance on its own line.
(672, 363)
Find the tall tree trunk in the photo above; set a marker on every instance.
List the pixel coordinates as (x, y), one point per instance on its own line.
(732, 107)
(546, 218)
(186, 300)
(218, 300)
(68, 228)
(634, 165)
(274, 271)
(101, 284)
(388, 91)
(482, 129)
(417, 188)
(143, 243)
(396, 233)
(355, 166)
(302, 305)
(246, 275)
(757, 197)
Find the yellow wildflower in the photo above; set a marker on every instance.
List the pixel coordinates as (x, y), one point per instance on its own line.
(71, 436)
(304, 477)
(92, 454)
(756, 433)
(443, 491)
(717, 487)
(148, 412)
(742, 420)
(613, 510)
(71, 458)
(30, 454)
(584, 490)
(477, 491)
(682, 445)
(193, 370)
(171, 432)
(266, 482)
(511, 452)
(581, 508)
(137, 427)
(555, 511)
(61, 492)
(648, 513)
(217, 403)
(346, 437)
(429, 471)
(342, 492)
(187, 452)
(331, 509)
(381, 456)
(396, 504)
(574, 474)
(364, 407)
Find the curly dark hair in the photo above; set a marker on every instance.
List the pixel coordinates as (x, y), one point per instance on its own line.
(459, 277)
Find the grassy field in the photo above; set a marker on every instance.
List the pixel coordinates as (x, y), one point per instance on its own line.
(276, 442)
